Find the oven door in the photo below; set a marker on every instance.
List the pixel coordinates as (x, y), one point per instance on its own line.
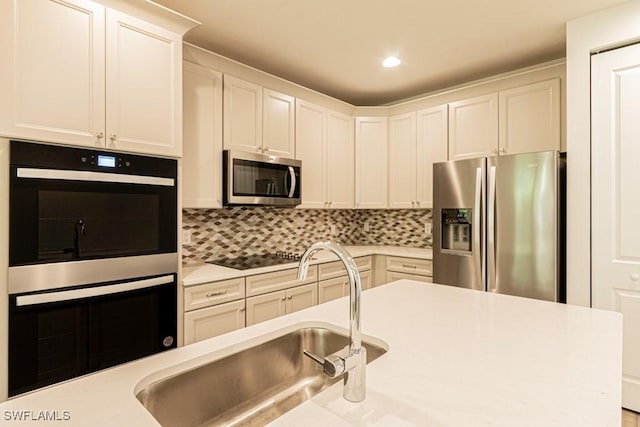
(61, 334)
(255, 179)
(60, 215)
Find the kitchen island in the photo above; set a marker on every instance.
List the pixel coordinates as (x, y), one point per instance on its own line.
(455, 357)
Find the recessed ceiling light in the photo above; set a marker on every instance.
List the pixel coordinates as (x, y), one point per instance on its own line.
(391, 61)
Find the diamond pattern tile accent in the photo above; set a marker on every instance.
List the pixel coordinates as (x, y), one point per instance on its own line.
(243, 231)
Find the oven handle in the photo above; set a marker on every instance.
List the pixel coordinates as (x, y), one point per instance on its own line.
(44, 298)
(73, 175)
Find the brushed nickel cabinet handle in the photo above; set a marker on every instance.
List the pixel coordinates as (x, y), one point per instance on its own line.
(216, 294)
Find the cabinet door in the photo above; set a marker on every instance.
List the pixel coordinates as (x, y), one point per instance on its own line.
(371, 162)
(331, 289)
(340, 170)
(301, 297)
(530, 118)
(473, 127)
(431, 147)
(402, 161)
(212, 321)
(278, 138)
(311, 149)
(202, 130)
(242, 128)
(266, 307)
(52, 71)
(144, 87)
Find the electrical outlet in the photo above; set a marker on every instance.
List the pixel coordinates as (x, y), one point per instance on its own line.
(427, 228)
(186, 237)
(366, 227)
(334, 230)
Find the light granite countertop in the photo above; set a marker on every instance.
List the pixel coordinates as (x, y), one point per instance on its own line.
(195, 274)
(456, 357)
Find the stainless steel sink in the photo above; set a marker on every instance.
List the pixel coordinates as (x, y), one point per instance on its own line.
(251, 387)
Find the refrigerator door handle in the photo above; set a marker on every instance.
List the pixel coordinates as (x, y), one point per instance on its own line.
(491, 231)
(477, 254)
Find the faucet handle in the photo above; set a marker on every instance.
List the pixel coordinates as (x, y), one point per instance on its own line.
(332, 365)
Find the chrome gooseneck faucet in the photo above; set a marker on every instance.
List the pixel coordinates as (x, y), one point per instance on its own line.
(352, 361)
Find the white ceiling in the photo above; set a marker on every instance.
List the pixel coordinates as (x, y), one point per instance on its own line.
(336, 46)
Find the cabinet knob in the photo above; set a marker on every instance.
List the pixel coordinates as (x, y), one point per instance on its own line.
(113, 137)
(100, 135)
(259, 149)
(417, 204)
(266, 148)
(242, 309)
(634, 277)
(494, 151)
(289, 297)
(502, 150)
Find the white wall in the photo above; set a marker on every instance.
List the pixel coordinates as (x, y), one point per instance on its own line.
(610, 28)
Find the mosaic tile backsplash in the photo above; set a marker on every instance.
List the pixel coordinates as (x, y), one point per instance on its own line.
(240, 231)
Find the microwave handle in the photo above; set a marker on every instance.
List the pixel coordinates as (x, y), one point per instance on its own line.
(292, 189)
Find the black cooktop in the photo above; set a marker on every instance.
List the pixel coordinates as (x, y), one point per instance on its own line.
(255, 261)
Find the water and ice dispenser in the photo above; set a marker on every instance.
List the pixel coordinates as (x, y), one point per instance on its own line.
(456, 231)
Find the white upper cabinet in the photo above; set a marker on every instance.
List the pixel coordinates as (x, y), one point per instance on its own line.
(52, 75)
(202, 135)
(402, 161)
(278, 121)
(258, 120)
(519, 120)
(416, 141)
(371, 162)
(144, 87)
(473, 127)
(242, 115)
(530, 118)
(78, 73)
(311, 150)
(340, 161)
(432, 146)
(325, 145)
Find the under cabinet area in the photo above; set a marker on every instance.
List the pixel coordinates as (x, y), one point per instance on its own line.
(117, 85)
(409, 268)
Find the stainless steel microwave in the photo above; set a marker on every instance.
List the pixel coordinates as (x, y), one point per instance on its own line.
(258, 179)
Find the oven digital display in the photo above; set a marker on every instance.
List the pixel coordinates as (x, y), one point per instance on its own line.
(106, 161)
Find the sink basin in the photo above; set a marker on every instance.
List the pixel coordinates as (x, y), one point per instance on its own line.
(250, 387)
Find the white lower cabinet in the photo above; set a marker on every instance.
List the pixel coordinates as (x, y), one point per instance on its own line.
(212, 321)
(275, 304)
(338, 287)
(417, 269)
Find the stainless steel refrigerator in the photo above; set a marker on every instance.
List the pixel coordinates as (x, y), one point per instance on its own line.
(499, 224)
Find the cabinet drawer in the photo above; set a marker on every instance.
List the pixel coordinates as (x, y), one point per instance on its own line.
(213, 293)
(394, 275)
(212, 321)
(336, 268)
(270, 282)
(421, 267)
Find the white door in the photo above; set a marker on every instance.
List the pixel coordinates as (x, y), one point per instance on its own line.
(213, 321)
(144, 87)
(310, 149)
(371, 162)
(615, 202)
(242, 129)
(52, 71)
(301, 297)
(402, 161)
(432, 146)
(340, 170)
(473, 127)
(278, 112)
(202, 135)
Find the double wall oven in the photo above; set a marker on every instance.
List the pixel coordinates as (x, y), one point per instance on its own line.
(92, 261)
